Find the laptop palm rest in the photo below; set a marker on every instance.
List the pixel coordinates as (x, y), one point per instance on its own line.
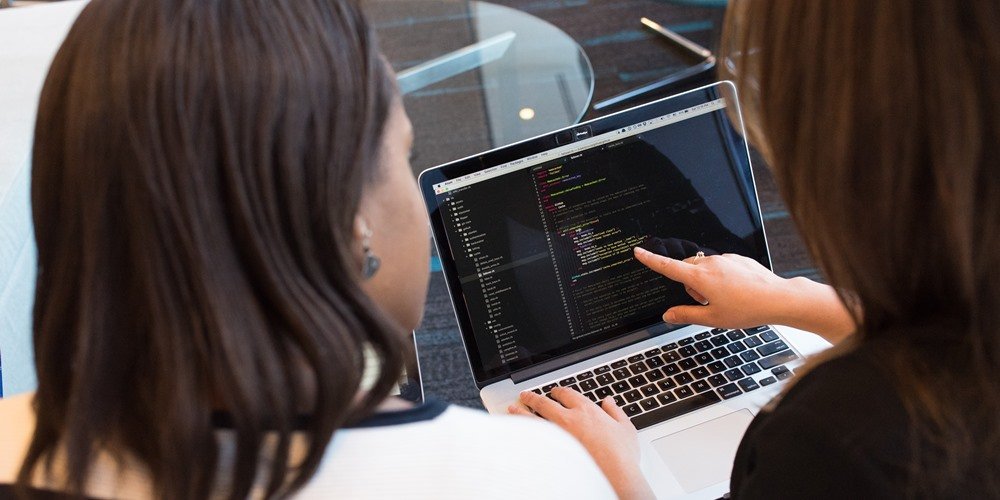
(702, 455)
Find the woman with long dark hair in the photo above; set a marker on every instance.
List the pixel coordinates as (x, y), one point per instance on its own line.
(881, 123)
(229, 234)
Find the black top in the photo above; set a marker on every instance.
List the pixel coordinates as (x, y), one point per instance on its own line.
(840, 432)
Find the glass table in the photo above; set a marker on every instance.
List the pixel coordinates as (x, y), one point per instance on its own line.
(477, 75)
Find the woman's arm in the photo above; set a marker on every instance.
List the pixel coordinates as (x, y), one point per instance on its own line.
(605, 431)
(739, 293)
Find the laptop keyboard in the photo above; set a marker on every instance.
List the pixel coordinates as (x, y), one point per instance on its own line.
(683, 376)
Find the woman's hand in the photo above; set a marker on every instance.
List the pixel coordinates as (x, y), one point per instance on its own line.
(605, 431)
(738, 292)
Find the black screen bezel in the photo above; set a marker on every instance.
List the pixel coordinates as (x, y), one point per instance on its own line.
(736, 147)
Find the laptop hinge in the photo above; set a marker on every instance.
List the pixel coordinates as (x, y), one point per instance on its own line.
(590, 352)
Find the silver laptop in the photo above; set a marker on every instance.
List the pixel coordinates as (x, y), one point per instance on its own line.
(535, 241)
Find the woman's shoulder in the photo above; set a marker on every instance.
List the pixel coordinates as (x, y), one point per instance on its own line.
(841, 428)
(456, 452)
(18, 424)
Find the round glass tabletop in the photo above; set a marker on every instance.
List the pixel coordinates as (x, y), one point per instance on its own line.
(477, 75)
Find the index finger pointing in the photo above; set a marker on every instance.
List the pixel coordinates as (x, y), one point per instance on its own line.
(672, 268)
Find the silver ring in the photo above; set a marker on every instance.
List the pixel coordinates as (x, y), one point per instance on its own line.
(699, 255)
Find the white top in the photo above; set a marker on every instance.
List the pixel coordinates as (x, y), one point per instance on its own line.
(431, 451)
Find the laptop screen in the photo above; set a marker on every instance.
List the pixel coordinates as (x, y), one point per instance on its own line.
(538, 248)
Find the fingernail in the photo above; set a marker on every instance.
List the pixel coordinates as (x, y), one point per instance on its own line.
(640, 251)
(511, 409)
(523, 395)
(670, 317)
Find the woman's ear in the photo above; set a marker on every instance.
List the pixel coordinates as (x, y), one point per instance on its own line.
(358, 233)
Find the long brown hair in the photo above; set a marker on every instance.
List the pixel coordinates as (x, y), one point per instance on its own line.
(197, 169)
(881, 121)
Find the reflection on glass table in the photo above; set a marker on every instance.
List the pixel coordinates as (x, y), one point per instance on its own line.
(478, 75)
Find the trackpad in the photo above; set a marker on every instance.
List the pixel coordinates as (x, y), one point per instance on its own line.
(702, 455)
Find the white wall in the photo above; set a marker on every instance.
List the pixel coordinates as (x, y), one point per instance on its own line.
(29, 38)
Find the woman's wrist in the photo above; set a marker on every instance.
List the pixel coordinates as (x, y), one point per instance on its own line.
(814, 307)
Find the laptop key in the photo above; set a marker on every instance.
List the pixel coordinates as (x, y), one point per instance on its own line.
(620, 387)
(618, 364)
(652, 352)
(704, 358)
(672, 345)
(717, 380)
(720, 340)
(757, 329)
(736, 335)
(574, 387)
(619, 401)
(784, 375)
(749, 356)
(700, 386)
(736, 347)
(733, 361)
(537, 391)
(687, 363)
(768, 381)
(654, 375)
(621, 374)
(603, 392)
(753, 341)
(584, 375)
(666, 385)
(632, 410)
(655, 362)
(716, 367)
(636, 358)
(729, 391)
(716, 331)
(703, 346)
(649, 390)
(637, 381)
(602, 369)
(687, 341)
(591, 396)
(567, 381)
(639, 367)
(666, 398)
(773, 347)
(748, 384)
(700, 372)
(734, 374)
(703, 335)
(588, 385)
(671, 356)
(649, 404)
(605, 379)
(720, 352)
(778, 359)
(632, 396)
(666, 412)
(768, 336)
(683, 378)
(683, 392)
(671, 369)
(687, 351)
(549, 387)
(750, 368)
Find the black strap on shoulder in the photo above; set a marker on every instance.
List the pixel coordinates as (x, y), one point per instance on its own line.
(9, 492)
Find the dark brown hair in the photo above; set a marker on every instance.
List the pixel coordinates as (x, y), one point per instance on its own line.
(197, 170)
(881, 121)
